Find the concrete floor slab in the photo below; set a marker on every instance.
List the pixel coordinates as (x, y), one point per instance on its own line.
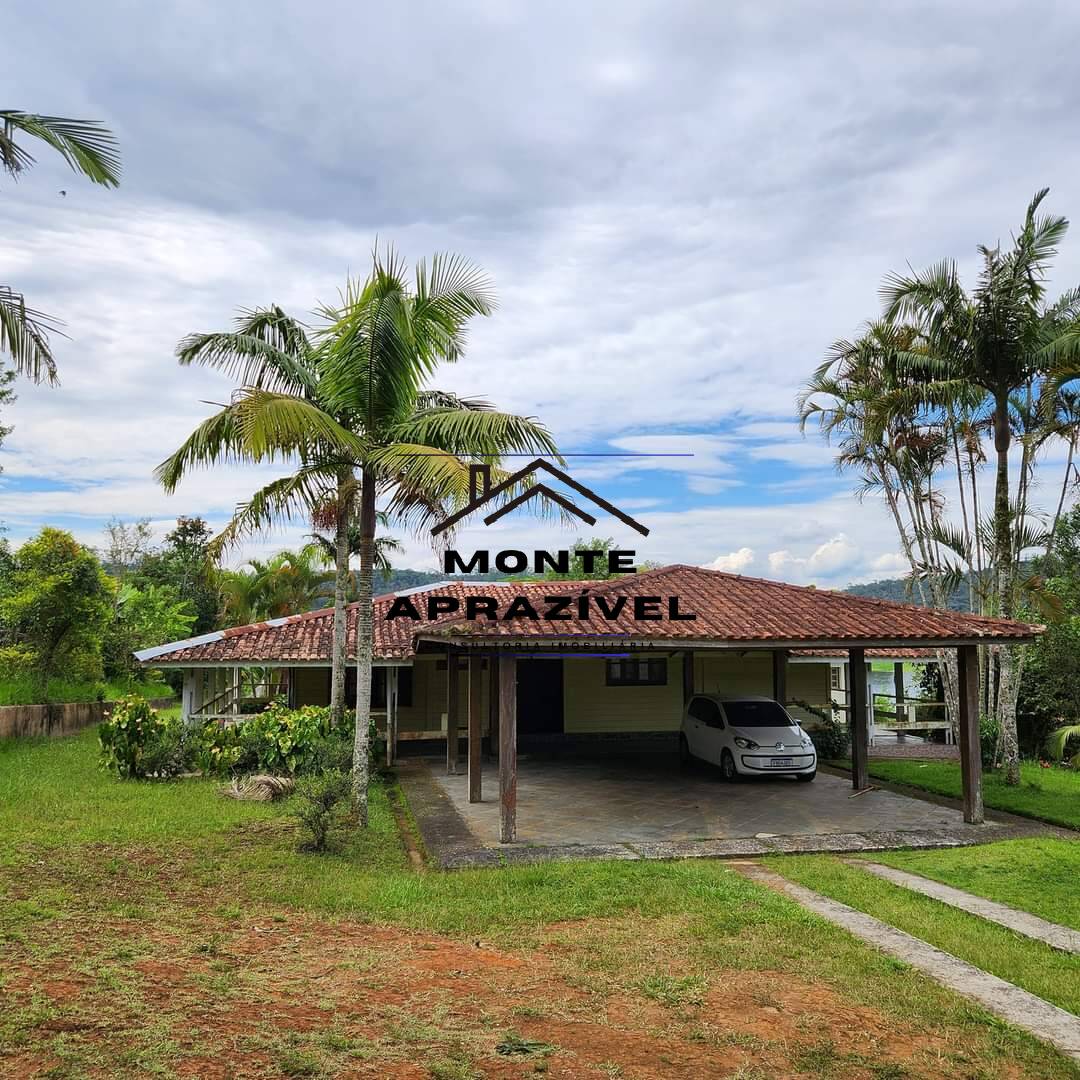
(648, 801)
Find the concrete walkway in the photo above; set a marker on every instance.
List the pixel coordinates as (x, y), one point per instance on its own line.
(1024, 1010)
(1022, 922)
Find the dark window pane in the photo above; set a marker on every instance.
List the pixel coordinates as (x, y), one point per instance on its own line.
(748, 714)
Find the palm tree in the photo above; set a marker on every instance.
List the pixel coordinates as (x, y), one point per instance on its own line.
(348, 407)
(387, 339)
(385, 546)
(1000, 341)
(281, 411)
(90, 149)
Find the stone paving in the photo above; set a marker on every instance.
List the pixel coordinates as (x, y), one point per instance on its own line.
(647, 807)
(1033, 1014)
(632, 800)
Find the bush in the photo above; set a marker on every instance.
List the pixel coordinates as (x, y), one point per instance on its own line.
(138, 742)
(831, 737)
(989, 730)
(281, 739)
(318, 803)
(220, 749)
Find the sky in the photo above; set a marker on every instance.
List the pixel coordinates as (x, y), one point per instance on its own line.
(681, 206)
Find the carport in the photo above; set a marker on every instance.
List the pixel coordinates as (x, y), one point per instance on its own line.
(733, 616)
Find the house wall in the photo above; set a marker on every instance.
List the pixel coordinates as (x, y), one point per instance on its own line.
(429, 697)
(590, 706)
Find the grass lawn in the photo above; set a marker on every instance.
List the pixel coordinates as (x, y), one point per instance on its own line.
(1051, 795)
(23, 691)
(159, 928)
(1039, 875)
(1051, 974)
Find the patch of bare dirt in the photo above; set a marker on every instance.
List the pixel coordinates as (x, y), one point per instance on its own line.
(246, 998)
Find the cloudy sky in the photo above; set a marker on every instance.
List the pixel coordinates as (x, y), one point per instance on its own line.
(681, 205)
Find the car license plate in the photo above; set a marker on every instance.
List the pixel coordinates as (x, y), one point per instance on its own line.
(777, 762)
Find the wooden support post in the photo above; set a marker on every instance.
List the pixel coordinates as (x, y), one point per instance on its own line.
(187, 695)
(967, 657)
(687, 675)
(860, 729)
(898, 689)
(779, 675)
(508, 748)
(476, 676)
(493, 703)
(452, 719)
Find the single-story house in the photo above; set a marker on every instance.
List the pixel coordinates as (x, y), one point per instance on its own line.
(615, 658)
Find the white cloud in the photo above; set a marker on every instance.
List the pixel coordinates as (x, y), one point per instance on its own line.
(734, 562)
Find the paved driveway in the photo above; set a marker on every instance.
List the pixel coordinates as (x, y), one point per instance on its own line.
(643, 800)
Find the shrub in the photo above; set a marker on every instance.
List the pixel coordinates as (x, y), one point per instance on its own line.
(831, 737)
(319, 802)
(219, 749)
(138, 742)
(989, 730)
(281, 739)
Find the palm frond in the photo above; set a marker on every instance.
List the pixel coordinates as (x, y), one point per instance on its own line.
(24, 337)
(86, 145)
(267, 350)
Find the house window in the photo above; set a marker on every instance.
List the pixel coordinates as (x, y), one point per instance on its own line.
(834, 678)
(637, 672)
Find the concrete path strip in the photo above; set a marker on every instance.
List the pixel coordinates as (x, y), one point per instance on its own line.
(1022, 922)
(1026, 1011)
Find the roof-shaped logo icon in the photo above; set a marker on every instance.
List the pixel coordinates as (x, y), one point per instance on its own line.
(481, 493)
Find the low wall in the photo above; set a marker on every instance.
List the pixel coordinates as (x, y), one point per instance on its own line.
(58, 719)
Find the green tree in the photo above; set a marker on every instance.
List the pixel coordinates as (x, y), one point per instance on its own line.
(1050, 687)
(912, 399)
(288, 583)
(348, 404)
(56, 609)
(184, 563)
(90, 149)
(143, 617)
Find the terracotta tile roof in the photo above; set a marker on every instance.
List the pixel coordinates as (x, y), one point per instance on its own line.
(730, 610)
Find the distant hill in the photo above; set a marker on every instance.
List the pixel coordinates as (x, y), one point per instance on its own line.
(899, 589)
(397, 580)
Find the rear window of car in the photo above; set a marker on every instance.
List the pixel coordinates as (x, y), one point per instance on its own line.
(756, 714)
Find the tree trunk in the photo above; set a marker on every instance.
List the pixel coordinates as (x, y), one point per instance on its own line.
(1010, 660)
(364, 646)
(341, 582)
(1003, 565)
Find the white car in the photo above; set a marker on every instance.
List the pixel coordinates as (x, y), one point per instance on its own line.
(746, 736)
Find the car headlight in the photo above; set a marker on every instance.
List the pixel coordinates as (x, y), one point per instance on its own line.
(807, 744)
(746, 744)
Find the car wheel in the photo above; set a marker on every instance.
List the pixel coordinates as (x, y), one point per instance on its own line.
(806, 777)
(727, 767)
(685, 757)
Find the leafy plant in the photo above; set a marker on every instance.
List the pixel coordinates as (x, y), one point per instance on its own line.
(281, 739)
(989, 734)
(219, 749)
(138, 742)
(318, 803)
(1058, 741)
(831, 737)
(513, 1045)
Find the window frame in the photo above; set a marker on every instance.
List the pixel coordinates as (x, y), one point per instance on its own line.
(615, 673)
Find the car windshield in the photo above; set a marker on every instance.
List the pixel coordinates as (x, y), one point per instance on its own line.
(756, 714)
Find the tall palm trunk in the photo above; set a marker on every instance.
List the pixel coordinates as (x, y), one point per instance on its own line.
(341, 585)
(364, 645)
(1006, 697)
